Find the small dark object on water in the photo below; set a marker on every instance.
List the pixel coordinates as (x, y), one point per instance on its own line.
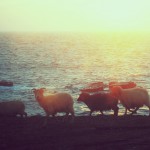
(6, 83)
(93, 87)
(124, 85)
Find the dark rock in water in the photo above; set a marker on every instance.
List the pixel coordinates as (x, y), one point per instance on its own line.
(6, 83)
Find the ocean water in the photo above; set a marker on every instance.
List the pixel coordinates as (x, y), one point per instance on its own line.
(66, 62)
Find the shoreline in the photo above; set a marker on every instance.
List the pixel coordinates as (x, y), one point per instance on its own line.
(90, 133)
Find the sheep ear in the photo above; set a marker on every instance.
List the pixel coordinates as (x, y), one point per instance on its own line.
(33, 89)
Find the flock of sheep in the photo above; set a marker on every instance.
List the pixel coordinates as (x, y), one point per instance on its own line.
(132, 99)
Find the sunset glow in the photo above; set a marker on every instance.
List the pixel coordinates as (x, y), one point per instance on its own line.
(75, 15)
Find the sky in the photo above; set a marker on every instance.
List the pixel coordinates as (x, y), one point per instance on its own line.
(74, 15)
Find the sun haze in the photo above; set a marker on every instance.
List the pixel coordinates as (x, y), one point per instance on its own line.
(75, 15)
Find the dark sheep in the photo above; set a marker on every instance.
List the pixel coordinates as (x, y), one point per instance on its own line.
(15, 107)
(99, 102)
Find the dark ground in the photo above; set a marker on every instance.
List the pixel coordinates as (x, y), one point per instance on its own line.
(95, 133)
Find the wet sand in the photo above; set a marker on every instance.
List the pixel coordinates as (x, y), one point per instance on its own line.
(89, 133)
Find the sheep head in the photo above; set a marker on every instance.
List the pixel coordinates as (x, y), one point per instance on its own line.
(116, 91)
(38, 93)
(83, 97)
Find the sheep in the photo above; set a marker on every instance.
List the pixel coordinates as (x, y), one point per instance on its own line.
(15, 107)
(99, 102)
(131, 98)
(54, 103)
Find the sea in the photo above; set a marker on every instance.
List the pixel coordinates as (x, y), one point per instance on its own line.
(67, 62)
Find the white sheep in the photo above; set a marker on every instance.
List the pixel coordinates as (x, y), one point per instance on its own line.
(12, 108)
(54, 103)
(132, 98)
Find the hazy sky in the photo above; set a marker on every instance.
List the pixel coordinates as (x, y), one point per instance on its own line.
(74, 15)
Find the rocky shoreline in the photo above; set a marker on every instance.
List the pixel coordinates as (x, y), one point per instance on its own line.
(90, 133)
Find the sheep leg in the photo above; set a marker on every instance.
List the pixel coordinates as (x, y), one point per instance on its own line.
(134, 111)
(101, 112)
(90, 113)
(116, 111)
(72, 115)
(56, 119)
(21, 115)
(53, 115)
(149, 110)
(46, 120)
(66, 116)
(125, 113)
(25, 114)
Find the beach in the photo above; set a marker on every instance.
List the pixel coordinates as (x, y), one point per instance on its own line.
(90, 133)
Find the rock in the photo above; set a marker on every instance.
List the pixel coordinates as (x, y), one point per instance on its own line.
(6, 83)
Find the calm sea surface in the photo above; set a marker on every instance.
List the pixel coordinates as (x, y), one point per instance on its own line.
(66, 62)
